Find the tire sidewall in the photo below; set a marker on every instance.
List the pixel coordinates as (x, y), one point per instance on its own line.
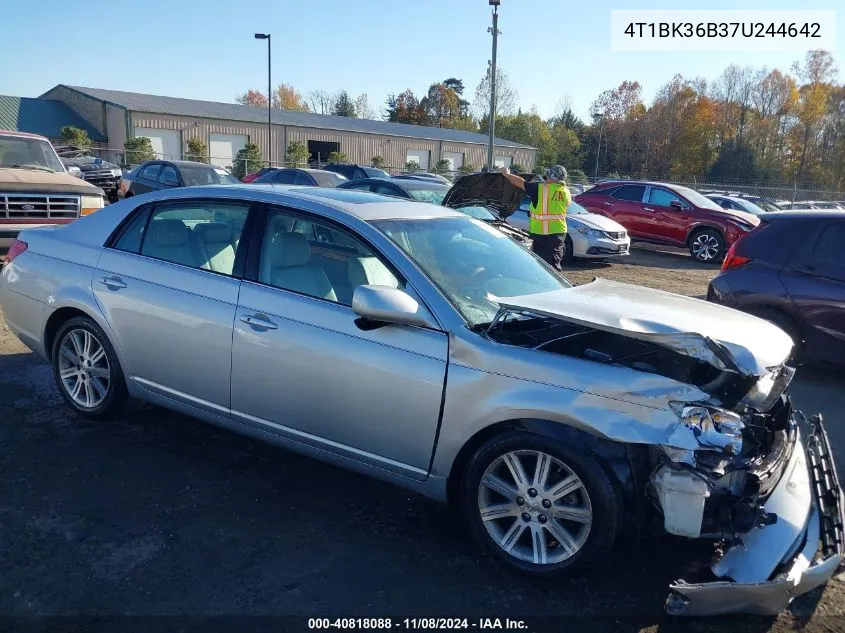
(721, 240)
(568, 254)
(603, 499)
(116, 397)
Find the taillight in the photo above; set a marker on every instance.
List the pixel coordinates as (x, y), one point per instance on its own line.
(15, 249)
(732, 260)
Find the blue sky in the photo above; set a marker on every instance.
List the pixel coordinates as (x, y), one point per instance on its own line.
(205, 49)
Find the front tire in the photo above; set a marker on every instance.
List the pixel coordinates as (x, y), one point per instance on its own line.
(707, 246)
(538, 505)
(86, 369)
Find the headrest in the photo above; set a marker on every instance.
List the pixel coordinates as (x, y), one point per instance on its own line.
(212, 232)
(168, 233)
(281, 224)
(290, 249)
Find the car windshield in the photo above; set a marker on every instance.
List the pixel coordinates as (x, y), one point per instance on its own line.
(471, 262)
(372, 172)
(479, 213)
(327, 178)
(206, 176)
(702, 202)
(20, 152)
(749, 206)
(435, 196)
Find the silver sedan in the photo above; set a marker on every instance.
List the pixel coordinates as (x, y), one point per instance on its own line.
(421, 346)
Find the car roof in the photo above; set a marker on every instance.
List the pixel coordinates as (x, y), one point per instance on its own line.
(189, 163)
(23, 135)
(360, 204)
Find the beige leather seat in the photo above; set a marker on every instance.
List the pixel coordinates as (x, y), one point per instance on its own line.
(370, 270)
(172, 241)
(291, 268)
(218, 247)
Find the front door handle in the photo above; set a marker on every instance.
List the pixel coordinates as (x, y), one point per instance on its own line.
(608, 204)
(648, 209)
(113, 282)
(259, 321)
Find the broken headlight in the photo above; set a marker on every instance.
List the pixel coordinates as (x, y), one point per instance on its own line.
(713, 427)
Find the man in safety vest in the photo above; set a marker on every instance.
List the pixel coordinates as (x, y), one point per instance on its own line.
(547, 216)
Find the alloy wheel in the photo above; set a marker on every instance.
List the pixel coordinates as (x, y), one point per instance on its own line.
(83, 368)
(705, 247)
(534, 507)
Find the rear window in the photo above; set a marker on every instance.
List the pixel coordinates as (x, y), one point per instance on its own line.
(327, 178)
(631, 193)
(206, 176)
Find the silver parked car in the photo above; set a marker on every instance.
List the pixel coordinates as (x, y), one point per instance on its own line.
(588, 236)
(424, 347)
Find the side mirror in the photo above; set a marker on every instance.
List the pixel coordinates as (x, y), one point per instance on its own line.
(383, 304)
(677, 204)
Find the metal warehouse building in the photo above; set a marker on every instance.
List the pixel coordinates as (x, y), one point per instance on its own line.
(225, 127)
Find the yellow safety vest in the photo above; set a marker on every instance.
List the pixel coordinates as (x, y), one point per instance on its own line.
(549, 216)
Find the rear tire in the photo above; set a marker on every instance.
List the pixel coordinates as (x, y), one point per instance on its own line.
(86, 369)
(707, 246)
(563, 514)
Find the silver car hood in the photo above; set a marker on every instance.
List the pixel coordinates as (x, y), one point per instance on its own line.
(723, 337)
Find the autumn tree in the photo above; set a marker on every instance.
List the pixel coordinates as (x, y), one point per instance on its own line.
(286, 97)
(817, 72)
(405, 108)
(254, 98)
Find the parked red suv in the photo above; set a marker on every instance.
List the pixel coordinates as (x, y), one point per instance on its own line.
(670, 214)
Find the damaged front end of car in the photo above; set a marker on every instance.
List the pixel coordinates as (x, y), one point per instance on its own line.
(757, 478)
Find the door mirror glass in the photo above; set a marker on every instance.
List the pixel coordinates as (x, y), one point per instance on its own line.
(383, 304)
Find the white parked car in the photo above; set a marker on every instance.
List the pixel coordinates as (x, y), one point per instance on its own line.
(589, 235)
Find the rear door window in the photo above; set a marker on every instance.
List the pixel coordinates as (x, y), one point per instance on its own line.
(302, 179)
(283, 177)
(630, 193)
(150, 172)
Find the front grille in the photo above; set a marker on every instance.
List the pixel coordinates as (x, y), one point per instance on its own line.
(615, 235)
(30, 206)
(100, 177)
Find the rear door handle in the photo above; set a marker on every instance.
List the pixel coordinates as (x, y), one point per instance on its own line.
(648, 209)
(608, 204)
(113, 282)
(259, 321)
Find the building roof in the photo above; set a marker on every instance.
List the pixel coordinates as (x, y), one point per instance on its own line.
(139, 102)
(41, 116)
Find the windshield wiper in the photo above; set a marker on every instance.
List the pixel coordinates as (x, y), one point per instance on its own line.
(36, 167)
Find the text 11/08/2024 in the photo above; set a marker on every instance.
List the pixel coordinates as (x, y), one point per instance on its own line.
(753, 31)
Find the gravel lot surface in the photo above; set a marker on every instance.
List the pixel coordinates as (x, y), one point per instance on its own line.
(158, 514)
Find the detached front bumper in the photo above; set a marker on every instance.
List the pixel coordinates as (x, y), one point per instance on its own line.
(798, 553)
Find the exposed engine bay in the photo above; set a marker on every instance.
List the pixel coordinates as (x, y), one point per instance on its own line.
(759, 481)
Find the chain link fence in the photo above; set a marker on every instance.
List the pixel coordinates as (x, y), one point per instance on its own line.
(781, 192)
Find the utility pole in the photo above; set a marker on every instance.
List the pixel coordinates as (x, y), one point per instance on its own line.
(492, 121)
(598, 149)
(266, 36)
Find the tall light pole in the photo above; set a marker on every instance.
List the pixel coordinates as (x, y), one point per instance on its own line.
(266, 36)
(492, 121)
(598, 149)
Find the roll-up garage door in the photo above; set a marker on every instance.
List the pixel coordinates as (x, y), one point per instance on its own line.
(419, 156)
(167, 144)
(222, 148)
